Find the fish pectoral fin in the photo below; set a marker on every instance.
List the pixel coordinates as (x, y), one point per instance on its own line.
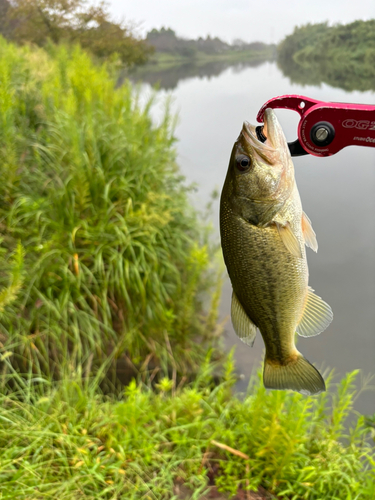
(242, 324)
(317, 315)
(289, 239)
(309, 233)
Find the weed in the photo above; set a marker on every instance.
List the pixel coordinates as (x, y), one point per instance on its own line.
(67, 440)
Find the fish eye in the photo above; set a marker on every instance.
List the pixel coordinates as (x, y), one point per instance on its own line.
(243, 163)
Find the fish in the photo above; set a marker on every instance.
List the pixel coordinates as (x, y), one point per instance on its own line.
(264, 232)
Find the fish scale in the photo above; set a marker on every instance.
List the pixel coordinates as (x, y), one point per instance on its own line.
(261, 282)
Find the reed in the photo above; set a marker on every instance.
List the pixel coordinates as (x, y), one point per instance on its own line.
(117, 262)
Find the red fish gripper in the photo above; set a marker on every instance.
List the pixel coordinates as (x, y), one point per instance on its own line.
(326, 127)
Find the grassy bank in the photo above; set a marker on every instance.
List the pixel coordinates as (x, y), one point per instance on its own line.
(230, 55)
(341, 55)
(161, 60)
(69, 441)
(116, 260)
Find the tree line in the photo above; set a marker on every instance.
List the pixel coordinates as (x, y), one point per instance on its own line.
(340, 55)
(166, 40)
(72, 21)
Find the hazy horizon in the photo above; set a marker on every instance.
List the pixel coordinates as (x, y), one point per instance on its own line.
(247, 20)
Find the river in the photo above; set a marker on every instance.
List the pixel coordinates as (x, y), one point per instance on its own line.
(338, 195)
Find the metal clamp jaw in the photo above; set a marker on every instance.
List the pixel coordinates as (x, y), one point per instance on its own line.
(326, 127)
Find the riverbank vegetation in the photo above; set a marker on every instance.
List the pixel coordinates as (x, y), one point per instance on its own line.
(340, 55)
(171, 49)
(67, 440)
(112, 383)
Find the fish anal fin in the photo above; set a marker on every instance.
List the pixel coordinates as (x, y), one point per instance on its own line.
(309, 233)
(297, 374)
(289, 239)
(317, 315)
(242, 324)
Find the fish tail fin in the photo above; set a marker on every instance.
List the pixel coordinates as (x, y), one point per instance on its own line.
(296, 374)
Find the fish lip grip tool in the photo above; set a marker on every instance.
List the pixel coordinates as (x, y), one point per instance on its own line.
(325, 127)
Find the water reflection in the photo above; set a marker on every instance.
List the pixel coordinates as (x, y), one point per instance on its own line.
(343, 76)
(310, 73)
(168, 78)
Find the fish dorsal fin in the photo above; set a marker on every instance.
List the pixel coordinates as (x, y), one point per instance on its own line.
(309, 233)
(242, 324)
(317, 315)
(289, 239)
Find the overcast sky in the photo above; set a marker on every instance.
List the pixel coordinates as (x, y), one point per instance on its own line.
(251, 20)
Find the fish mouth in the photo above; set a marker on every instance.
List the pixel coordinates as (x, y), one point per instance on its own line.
(259, 131)
(249, 141)
(250, 130)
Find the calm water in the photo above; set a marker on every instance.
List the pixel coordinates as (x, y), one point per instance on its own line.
(337, 194)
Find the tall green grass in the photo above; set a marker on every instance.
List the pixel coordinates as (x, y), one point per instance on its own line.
(66, 440)
(117, 261)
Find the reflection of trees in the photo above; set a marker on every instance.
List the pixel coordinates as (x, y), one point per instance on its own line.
(341, 74)
(168, 78)
(297, 73)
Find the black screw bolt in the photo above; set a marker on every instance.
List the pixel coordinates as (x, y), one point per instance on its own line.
(322, 133)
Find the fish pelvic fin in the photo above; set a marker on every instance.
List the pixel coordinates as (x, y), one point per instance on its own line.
(317, 316)
(297, 374)
(242, 324)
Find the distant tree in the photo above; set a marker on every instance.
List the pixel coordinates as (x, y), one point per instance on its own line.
(165, 40)
(237, 42)
(212, 45)
(37, 21)
(4, 7)
(342, 55)
(301, 38)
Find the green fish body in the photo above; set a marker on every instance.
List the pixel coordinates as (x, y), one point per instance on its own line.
(263, 235)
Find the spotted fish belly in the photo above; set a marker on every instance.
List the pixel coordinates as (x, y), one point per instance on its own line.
(269, 282)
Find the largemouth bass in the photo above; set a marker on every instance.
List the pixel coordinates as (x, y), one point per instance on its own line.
(263, 236)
